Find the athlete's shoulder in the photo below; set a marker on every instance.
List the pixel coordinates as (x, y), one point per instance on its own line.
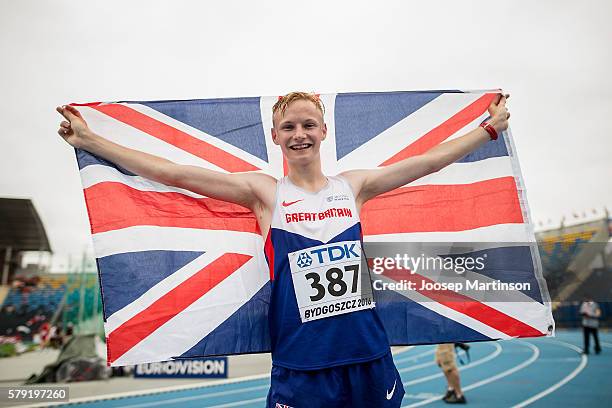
(355, 179)
(260, 177)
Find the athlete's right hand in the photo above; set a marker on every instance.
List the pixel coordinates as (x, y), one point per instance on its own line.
(74, 129)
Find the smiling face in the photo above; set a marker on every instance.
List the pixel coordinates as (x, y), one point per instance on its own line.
(299, 131)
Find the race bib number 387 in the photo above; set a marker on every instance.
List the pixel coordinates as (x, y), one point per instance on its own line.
(329, 280)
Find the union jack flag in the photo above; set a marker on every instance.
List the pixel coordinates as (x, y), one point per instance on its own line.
(185, 276)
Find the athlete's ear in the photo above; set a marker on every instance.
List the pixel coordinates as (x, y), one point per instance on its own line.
(324, 128)
(274, 136)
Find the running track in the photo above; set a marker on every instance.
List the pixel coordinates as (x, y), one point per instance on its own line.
(543, 372)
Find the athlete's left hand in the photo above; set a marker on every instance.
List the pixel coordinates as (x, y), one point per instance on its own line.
(499, 113)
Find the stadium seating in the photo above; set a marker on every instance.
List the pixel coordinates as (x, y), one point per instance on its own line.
(558, 251)
(45, 297)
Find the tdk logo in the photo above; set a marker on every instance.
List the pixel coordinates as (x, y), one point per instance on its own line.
(304, 260)
(334, 253)
(325, 255)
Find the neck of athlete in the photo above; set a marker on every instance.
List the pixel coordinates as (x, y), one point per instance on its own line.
(307, 176)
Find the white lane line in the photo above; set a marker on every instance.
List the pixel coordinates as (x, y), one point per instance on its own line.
(252, 388)
(534, 356)
(536, 353)
(238, 403)
(197, 397)
(416, 367)
(569, 377)
(415, 357)
(498, 350)
(603, 343)
(401, 350)
(142, 393)
(216, 394)
(236, 391)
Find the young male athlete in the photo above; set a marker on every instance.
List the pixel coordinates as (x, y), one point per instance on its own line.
(329, 348)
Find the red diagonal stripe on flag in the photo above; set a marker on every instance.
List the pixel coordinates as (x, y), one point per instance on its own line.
(175, 137)
(113, 205)
(443, 131)
(134, 330)
(457, 207)
(467, 306)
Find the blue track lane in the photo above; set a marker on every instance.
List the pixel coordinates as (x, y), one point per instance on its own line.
(543, 372)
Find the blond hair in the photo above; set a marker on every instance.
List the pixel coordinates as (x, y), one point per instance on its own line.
(284, 101)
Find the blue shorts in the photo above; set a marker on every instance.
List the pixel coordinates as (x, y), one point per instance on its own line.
(374, 383)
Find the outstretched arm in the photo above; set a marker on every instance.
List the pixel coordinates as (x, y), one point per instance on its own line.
(368, 184)
(247, 189)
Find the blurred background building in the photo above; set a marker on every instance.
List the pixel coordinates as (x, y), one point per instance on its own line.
(577, 261)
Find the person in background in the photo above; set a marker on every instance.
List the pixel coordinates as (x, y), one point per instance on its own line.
(445, 358)
(590, 312)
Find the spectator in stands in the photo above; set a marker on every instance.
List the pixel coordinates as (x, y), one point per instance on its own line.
(18, 283)
(52, 333)
(445, 358)
(44, 333)
(69, 333)
(57, 339)
(591, 313)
